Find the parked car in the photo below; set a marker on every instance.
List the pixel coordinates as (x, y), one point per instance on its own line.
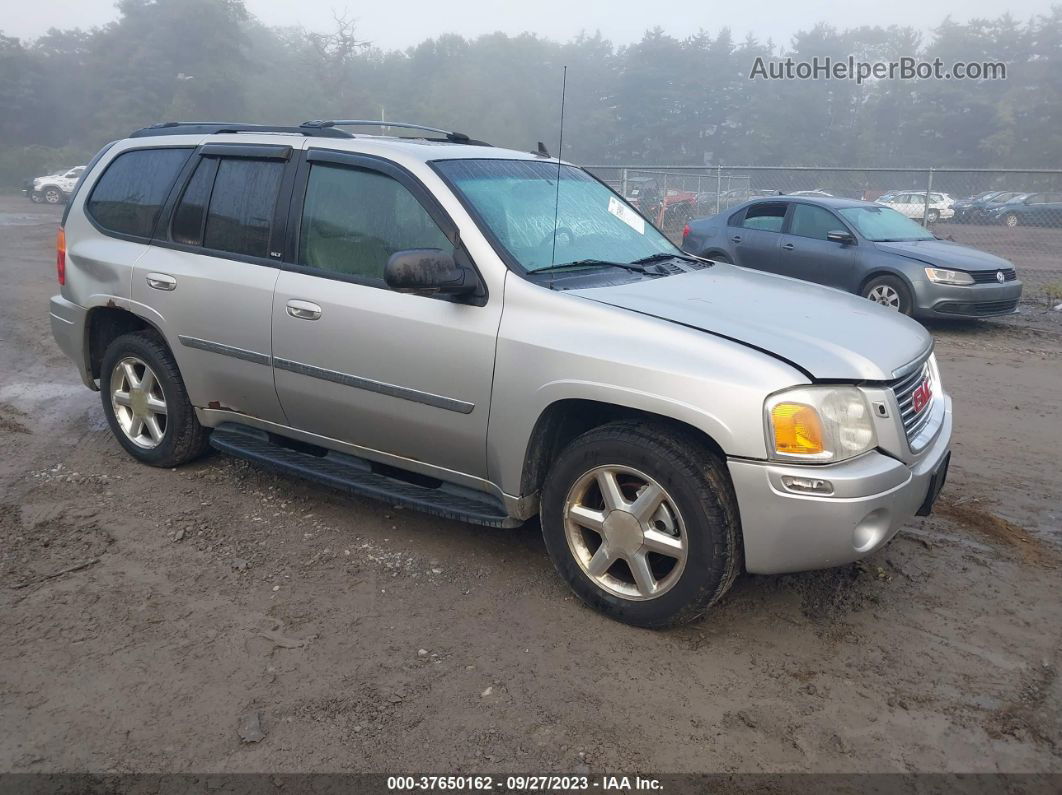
(421, 321)
(1029, 209)
(912, 204)
(54, 188)
(977, 208)
(862, 248)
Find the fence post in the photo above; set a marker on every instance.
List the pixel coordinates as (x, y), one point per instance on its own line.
(718, 186)
(925, 208)
(624, 183)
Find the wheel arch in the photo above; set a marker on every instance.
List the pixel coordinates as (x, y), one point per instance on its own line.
(886, 271)
(106, 323)
(565, 419)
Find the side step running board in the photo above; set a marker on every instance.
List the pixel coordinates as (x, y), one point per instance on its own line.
(356, 475)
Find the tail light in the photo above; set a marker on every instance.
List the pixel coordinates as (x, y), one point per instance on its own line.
(685, 231)
(60, 256)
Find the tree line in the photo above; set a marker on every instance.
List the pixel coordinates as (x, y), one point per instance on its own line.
(662, 99)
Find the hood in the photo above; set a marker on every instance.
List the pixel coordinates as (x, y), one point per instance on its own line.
(825, 332)
(945, 254)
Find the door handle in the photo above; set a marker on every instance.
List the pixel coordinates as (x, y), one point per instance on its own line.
(736, 238)
(303, 310)
(788, 246)
(161, 281)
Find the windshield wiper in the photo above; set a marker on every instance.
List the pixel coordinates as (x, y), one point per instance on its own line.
(662, 257)
(582, 263)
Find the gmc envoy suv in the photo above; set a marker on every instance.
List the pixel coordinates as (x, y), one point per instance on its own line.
(487, 335)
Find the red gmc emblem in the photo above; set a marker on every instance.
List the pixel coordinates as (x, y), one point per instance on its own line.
(920, 397)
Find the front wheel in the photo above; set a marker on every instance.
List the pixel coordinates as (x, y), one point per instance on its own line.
(53, 195)
(932, 216)
(1011, 220)
(642, 523)
(146, 404)
(890, 292)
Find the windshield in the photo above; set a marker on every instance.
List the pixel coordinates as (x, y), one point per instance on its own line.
(881, 224)
(516, 200)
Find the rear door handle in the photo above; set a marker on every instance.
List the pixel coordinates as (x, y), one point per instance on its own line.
(303, 310)
(788, 246)
(736, 238)
(161, 281)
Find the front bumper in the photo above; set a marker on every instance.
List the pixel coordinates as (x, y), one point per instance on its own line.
(874, 495)
(68, 328)
(975, 300)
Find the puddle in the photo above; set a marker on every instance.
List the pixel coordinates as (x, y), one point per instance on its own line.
(24, 219)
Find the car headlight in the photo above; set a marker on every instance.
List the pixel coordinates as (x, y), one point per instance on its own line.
(942, 276)
(818, 424)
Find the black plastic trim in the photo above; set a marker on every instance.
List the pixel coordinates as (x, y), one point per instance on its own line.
(256, 151)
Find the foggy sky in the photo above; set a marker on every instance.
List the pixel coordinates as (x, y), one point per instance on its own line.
(394, 25)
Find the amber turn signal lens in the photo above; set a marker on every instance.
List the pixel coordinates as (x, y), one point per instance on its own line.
(797, 429)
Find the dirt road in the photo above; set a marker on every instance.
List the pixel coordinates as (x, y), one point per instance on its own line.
(149, 616)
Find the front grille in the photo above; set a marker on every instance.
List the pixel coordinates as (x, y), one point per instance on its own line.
(978, 308)
(904, 389)
(984, 277)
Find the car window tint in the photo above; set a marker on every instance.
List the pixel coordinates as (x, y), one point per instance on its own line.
(128, 197)
(767, 217)
(242, 205)
(353, 220)
(188, 218)
(815, 222)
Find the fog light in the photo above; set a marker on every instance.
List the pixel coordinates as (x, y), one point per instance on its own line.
(807, 485)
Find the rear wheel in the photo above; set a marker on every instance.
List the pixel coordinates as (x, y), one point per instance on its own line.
(890, 292)
(717, 257)
(932, 216)
(1011, 220)
(642, 523)
(146, 403)
(52, 195)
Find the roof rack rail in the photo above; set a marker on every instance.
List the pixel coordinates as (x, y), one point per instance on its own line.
(448, 135)
(213, 128)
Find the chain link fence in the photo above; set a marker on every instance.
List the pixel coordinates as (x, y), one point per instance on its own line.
(1014, 214)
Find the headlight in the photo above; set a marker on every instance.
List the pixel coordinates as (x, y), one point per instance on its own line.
(818, 424)
(941, 276)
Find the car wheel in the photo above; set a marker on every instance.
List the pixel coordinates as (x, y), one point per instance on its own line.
(146, 403)
(36, 197)
(890, 292)
(642, 523)
(53, 195)
(717, 257)
(932, 216)
(1011, 220)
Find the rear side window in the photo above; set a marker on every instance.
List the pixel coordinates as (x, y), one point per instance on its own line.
(768, 217)
(242, 203)
(128, 197)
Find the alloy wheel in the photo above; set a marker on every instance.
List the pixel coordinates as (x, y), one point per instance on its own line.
(886, 296)
(139, 402)
(625, 532)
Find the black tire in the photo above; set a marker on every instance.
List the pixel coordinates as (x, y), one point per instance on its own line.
(906, 304)
(718, 256)
(1011, 220)
(183, 439)
(932, 216)
(35, 197)
(698, 484)
(52, 194)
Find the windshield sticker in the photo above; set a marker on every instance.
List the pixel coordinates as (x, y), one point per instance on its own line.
(626, 214)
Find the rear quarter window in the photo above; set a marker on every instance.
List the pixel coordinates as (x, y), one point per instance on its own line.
(129, 196)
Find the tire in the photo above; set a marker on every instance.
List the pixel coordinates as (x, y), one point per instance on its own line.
(889, 291)
(698, 512)
(1010, 220)
(176, 436)
(932, 216)
(52, 195)
(719, 257)
(36, 197)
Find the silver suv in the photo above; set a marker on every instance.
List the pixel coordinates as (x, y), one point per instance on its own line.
(487, 335)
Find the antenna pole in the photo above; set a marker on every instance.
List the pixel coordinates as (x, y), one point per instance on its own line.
(560, 152)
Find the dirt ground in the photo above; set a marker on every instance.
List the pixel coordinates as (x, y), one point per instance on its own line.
(149, 616)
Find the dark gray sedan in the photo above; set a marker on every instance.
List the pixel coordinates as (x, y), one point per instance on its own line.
(861, 248)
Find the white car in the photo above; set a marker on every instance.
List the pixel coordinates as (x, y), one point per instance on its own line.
(913, 205)
(55, 188)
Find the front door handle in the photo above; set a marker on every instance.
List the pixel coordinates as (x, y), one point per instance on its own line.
(161, 281)
(303, 310)
(736, 238)
(788, 246)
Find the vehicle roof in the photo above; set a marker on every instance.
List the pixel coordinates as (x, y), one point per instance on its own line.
(835, 202)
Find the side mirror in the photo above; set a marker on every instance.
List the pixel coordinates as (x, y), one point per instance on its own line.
(428, 271)
(840, 236)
